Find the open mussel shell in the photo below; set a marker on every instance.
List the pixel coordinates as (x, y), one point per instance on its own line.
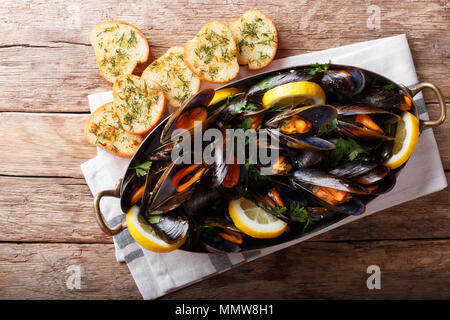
(359, 133)
(233, 109)
(353, 169)
(372, 176)
(162, 152)
(301, 142)
(353, 207)
(235, 183)
(228, 175)
(321, 212)
(377, 179)
(151, 180)
(376, 114)
(306, 158)
(376, 97)
(344, 83)
(172, 226)
(150, 147)
(324, 179)
(384, 185)
(199, 102)
(175, 186)
(221, 236)
(308, 179)
(202, 200)
(221, 247)
(255, 93)
(316, 115)
(274, 196)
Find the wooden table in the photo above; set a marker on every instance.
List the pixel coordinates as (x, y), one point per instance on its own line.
(47, 69)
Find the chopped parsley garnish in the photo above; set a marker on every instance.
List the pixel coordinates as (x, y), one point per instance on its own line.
(244, 106)
(254, 174)
(301, 214)
(319, 68)
(389, 87)
(231, 97)
(244, 125)
(153, 219)
(209, 234)
(347, 149)
(142, 169)
(329, 128)
(372, 100)
(278, 109)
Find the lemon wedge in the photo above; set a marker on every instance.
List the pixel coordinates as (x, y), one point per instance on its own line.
(406, 137)
(144, 234)
(294, 93)
(253, 220)
(222, 94)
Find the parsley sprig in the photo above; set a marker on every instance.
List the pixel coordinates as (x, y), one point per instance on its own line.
(243, 106)
(301, 214)
(154, 219)
(319, 68)
(329, 128)
(345, 149)
(389, 87)
(254, 174)
(142, 169)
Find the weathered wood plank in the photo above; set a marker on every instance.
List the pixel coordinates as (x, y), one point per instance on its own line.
(40, 271)
(43, 144)
(59, 69)
(48, 210)
(54, 144)
(409, 270)
(42, 22)
(60, 210)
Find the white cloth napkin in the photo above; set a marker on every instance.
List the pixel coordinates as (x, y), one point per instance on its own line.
(157, 274)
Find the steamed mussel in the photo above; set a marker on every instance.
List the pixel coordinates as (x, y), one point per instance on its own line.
(326, 160)
(365, 122)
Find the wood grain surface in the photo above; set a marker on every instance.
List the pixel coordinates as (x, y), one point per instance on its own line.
(47, 69)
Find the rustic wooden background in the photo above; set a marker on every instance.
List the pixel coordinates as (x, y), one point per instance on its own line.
(47, 69)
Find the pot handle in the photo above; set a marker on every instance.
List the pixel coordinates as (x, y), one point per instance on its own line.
(98, 213)
(442, 105)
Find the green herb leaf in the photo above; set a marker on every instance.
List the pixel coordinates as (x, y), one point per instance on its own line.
(142, 169)
(319, 68)
(345, 149)
(244, 106)
(371, 100)
(388, 87)
(153, 219)
(301, 214)
(209, 234)
(329, 128)
(254, 174)
(278, 109)
(231, 97)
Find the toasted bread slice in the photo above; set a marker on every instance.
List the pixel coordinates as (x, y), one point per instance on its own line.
(118, 47)
(139, 103)
(256, 39)
(212, 54)
(104, 129)
(177, 80)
